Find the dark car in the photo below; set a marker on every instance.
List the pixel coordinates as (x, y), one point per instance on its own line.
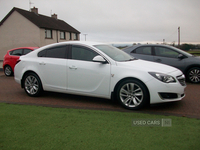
(187, 63)
(11, 58)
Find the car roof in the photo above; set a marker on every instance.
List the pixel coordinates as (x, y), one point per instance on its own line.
(32, 48)
(84, 43)
(130, 48)
(90, 43)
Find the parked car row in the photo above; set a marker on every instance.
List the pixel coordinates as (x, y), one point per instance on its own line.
(187, 63)
(99, 70)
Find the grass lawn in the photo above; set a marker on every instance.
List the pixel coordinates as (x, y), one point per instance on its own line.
(44, 128)
(194, 52)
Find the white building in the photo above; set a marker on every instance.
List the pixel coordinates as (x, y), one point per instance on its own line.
(21, 28)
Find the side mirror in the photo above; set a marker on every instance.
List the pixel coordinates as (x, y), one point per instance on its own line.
(100, 59)
(181, 56)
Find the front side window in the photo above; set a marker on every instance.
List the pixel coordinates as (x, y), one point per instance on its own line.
(143, 50)
(18, 52)
(82, 53)
(62, 35)
(48, 34)
(165, 52)
(55, 52)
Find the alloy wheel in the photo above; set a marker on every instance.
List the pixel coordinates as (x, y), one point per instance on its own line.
(31, 85)
(8, 71)
(131, 95)
(194, 75)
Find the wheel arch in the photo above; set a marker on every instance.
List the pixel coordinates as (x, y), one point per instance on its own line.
(189, 67)
(187, 71)
(127, 78)
(24, 75)
(6, 65)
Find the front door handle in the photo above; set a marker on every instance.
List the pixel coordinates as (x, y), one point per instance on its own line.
(158, 60)
(42, 63)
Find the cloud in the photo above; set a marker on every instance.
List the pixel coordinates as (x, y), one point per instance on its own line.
(123, 21)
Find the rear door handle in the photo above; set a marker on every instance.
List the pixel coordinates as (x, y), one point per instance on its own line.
(73, 67)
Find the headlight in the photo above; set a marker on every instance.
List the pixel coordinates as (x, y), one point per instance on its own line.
(163, 77)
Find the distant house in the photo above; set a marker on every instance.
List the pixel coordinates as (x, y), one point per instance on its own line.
(21, 28)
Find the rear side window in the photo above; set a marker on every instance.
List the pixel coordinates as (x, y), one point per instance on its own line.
(143, 50)
(17, 52)
(42, 53)
(55, 52)
(26, 51)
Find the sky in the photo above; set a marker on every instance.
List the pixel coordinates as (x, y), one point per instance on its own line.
(122, 21)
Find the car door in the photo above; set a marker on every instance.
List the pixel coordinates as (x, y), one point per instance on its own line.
(86, 76)
(143, 52)
(168, 56)
(52, 68)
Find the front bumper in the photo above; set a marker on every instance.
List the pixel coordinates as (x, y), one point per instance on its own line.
(166, 92)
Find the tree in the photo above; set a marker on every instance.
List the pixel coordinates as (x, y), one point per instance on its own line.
(187, 47)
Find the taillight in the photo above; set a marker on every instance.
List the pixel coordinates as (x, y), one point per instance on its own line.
(18, 61)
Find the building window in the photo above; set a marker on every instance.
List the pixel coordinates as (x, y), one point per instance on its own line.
(62, 35)
(70, 36)
(75, 36)
(48, 34)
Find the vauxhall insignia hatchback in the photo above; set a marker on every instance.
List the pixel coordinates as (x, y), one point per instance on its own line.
(98, 70)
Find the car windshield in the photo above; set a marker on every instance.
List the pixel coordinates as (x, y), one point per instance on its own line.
(114, 53)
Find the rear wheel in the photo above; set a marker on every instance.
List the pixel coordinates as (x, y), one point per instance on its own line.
(193, 75)
(32, 85)
(8, 70)
(132, 94)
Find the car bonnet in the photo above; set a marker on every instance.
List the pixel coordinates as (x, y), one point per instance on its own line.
(148, 66)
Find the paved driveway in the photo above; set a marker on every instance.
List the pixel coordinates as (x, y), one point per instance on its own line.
(11, 92)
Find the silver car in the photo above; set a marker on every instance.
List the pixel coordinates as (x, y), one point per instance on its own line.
(187, 63)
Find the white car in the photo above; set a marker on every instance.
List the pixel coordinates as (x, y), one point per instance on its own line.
(99, 70)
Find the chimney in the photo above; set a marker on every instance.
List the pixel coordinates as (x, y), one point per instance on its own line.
(35, 10)
(54, 16)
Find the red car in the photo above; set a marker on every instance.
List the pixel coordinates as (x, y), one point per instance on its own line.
(12, 56)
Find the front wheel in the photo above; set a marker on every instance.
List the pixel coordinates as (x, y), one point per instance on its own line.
(32, 85)
(193, 75)
(132, 94)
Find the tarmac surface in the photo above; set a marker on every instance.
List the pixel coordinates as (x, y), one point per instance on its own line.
(12, 93)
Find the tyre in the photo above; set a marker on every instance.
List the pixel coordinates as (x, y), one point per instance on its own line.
(32, 85)
(8, 70)
(193, 75)
(132, 94)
